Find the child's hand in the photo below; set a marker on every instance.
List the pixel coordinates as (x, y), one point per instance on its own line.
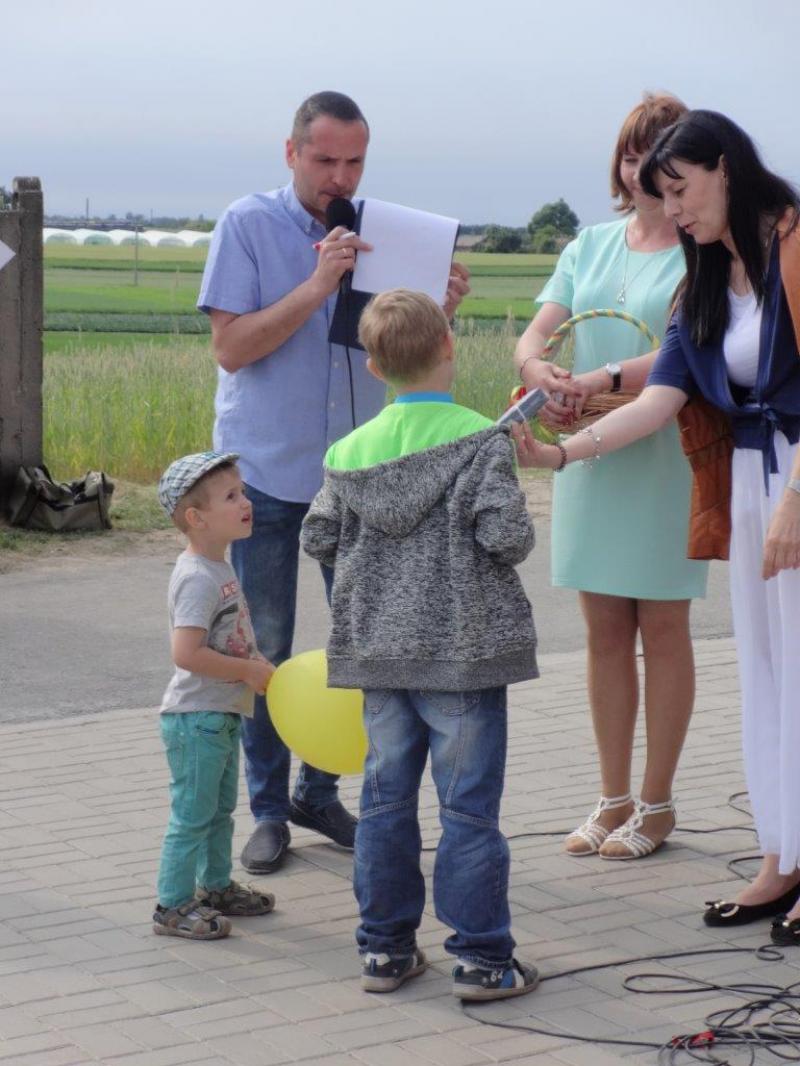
(258, 673)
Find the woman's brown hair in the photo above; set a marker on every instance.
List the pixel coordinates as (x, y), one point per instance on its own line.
(640, 131)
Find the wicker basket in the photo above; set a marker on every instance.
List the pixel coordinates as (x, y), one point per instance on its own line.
(597, 406)
(555, 351)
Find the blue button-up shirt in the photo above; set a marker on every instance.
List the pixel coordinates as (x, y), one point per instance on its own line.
(282, 412)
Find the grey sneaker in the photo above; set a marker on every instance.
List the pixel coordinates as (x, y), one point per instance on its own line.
(474, 982)
(381, 973)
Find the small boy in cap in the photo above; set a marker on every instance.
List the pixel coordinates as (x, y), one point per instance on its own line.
(217, 671)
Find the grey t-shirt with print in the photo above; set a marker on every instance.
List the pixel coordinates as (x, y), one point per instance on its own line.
(205, 594)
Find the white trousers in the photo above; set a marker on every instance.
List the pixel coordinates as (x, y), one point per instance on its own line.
(766, 619)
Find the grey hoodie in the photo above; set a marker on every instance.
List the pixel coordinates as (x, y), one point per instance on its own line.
(425, 595)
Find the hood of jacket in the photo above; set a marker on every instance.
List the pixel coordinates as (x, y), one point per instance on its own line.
(395, 496)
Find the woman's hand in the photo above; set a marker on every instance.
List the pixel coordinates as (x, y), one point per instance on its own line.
(537, 373)
(531, 452)
(558, 383)
(565, 409)
(782, 544)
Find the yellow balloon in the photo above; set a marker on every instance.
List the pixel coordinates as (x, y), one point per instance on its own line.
(322, 726)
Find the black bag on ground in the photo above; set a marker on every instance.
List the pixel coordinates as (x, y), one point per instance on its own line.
(38, 502)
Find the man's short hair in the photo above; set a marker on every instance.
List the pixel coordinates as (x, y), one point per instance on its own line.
(334, 105)
(403, 332)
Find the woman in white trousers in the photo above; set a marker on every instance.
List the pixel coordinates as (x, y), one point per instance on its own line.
(734, 341)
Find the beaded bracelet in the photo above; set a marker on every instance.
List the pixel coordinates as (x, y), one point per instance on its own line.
(596, 438)
(563, 462)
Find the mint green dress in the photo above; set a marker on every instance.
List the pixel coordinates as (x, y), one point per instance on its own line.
(620, 526)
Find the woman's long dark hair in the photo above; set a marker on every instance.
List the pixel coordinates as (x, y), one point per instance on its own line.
(702, 137)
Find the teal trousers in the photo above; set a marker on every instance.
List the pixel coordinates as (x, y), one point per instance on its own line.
(203, 755)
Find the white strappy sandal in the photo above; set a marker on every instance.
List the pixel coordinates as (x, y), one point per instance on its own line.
(629, 835)
(592, 832)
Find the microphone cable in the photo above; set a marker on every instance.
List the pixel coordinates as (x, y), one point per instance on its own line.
(766, 1022)
(346, 298)
(340, 212)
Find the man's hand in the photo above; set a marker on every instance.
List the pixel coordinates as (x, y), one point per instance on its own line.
(337, 255)
(257, 674)
(782, 543)
(457, 288)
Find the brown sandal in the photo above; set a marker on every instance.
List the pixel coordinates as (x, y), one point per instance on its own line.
(237, 901)
(191, 920)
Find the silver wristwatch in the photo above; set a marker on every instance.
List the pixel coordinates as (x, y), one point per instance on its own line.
(614, 371)
(794, 484)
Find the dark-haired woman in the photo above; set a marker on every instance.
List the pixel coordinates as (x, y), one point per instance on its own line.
(619, 533)
(735, 341)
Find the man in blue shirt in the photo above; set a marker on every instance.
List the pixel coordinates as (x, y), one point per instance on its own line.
(284, 395)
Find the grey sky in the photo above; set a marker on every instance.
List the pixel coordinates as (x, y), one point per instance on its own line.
(482, 110)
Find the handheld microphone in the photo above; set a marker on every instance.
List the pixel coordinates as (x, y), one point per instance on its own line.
(524, 408)
(340, 212)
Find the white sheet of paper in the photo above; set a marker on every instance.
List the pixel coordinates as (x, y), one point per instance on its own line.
(6, 255)
(411, 250)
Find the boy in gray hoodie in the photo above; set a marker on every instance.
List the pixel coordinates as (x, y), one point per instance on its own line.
(424, 521)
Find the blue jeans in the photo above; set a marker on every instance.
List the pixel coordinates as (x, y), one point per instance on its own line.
(203, 755)
(266, 565)
(465, 733)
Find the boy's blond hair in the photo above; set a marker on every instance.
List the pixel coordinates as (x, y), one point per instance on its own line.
(403, 331)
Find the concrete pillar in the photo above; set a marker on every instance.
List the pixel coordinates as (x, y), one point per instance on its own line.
(21, 320)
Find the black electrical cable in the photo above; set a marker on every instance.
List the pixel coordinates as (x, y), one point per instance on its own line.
(350, 374)
(767, 1022)
(677, 829)
(340, 212)
(736, 1027)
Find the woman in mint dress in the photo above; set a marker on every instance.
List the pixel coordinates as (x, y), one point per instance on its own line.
(619, 528)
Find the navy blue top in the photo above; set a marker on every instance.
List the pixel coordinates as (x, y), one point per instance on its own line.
(773, 402)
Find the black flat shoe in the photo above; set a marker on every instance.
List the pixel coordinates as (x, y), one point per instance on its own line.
(332, 821)
(785, 932)
(265, 851)
(720, 913)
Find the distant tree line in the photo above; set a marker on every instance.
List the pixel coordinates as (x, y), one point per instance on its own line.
(549, 229)
(130, 220)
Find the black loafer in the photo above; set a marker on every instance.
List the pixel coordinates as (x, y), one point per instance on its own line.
(265, 851)
(332, 820)
(784, 931)
(720, 913)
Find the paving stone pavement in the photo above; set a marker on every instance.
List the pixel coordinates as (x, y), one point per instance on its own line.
(83, 980)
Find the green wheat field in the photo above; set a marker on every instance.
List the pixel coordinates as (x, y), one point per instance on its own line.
(129, 377)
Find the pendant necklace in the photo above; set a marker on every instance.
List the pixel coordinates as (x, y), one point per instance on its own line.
(625, 283)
